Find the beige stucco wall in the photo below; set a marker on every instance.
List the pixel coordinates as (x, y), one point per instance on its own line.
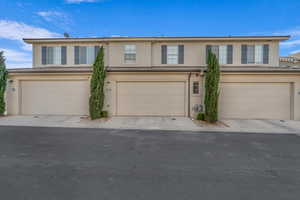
(13, 90)
(116, 54)
(149, 53)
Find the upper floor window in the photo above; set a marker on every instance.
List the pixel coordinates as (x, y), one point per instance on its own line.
(255, 54)
(54, 55)
(85, 54)
(224, 53)
(129, 54)
(172, 54)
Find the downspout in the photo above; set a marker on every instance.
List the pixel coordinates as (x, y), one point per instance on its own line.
(203, 88)
(189, 94)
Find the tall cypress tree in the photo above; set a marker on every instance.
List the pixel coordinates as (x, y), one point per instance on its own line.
(212, 80)
(97, 86)
(3, 79)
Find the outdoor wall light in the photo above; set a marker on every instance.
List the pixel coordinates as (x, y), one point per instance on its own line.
(10, 81)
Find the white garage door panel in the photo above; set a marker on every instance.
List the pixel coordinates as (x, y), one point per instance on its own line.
(255, 100)
(54, 97)
(151, 98)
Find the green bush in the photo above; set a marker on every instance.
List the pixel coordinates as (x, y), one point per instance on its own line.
(97, 86)
(201, 116)
(104, 114)
(212, 80)
(3, 79)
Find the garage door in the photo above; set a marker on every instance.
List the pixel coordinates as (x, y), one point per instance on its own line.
(255, 100)
(57, 97)
(151, 98)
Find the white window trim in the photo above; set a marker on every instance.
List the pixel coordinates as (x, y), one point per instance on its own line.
(132, 51)
(223, 51)
(175, 55)
(87, 46)
(258, 54)
(56, 56)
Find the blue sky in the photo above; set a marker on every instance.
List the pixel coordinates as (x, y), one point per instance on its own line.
(89, 18)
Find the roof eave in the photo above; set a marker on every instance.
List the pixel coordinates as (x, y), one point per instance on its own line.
(124, 39)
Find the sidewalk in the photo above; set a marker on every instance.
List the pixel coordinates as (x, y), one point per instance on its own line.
(155, 123)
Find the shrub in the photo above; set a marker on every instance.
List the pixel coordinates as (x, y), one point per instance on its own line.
(201, 116)
(3, 79)
(104, 114)
(212, 88)
(97, 86)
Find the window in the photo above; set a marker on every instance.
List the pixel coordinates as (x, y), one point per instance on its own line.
(223, 53)
(172, 54)
(129, 54)
(54, 55)
(196, 89)
(85, 54)
(255, 54)
(258, 58)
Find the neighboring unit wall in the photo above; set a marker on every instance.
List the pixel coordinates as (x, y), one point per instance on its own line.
(116, 54)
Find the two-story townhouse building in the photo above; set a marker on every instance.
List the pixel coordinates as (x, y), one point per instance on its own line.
(157, 76)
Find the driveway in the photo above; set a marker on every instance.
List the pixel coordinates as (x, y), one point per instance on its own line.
(155, 123)
(92, 164)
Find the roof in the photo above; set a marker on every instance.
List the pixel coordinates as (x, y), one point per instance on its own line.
(152, 69)
(289, 59)
(121, 39)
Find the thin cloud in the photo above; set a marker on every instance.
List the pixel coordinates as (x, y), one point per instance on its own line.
(57, 18)
(294, 42)
(16, 31)
(290, 44)
(50, 15)
(12, 30)
(16, 56)
(295, 52)
(292, 32)
(16, 59)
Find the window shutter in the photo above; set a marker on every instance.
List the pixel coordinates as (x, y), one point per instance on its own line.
(244, 54)
(229, 54)
(63, 55)
(97, 48)
(164, 54)
(266, 54)
(208, 48)
(76, 55)
(181, 54)
(44, 55)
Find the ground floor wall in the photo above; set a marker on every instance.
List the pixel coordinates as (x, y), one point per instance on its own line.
(242, 95)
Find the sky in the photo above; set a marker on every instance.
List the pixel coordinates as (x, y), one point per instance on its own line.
(97, 18)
